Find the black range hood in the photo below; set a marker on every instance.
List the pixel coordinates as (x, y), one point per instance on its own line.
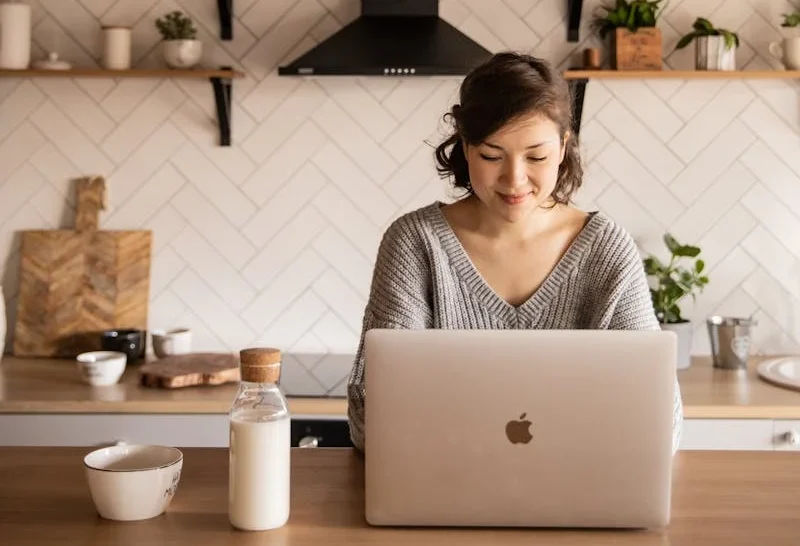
(392, 38)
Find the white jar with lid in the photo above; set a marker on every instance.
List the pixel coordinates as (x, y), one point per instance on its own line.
(260, 445)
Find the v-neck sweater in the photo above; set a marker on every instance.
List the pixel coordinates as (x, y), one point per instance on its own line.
(424, 278)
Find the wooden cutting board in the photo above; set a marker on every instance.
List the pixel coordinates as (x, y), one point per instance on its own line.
(188, 370)
(75, 283)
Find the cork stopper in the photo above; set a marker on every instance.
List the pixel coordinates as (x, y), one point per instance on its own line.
(260, 364)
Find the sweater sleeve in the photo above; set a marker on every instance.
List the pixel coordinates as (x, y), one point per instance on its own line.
(399, 298)
(634, 310)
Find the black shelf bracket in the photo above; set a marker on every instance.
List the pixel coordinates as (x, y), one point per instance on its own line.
(578, 89)
(223, 88)
(225, 19)
(574, 8)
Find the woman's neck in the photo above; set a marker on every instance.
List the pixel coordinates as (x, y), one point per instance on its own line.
(493, 226)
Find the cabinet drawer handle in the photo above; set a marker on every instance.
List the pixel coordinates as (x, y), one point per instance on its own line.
(791, 437)
(308, 441)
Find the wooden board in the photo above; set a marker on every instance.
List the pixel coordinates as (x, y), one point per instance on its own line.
(188, 370)
(73, 284)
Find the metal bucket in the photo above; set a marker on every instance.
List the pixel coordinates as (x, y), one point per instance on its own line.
(730, 341)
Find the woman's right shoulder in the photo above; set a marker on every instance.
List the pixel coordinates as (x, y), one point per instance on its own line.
(410, 230)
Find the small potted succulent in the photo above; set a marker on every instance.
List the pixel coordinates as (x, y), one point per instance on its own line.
(787, 51)
(181, 48)
(715, 48)
(669, 284)
(636, 42)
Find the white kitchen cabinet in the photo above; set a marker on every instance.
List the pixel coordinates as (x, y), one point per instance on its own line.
(181, 430)
(787, 435)
(728, 434)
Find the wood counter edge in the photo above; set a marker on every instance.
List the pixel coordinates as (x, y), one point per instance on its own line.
(327, 408)
(300, 406)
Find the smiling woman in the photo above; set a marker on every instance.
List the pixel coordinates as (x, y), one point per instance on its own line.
(513, 252)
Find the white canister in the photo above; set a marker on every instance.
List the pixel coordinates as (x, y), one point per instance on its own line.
(116, 48)
(15, 36)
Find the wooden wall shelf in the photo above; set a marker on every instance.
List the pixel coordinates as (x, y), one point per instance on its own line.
(578, 79)
(680, 74)
(221, 81)
(132, 73)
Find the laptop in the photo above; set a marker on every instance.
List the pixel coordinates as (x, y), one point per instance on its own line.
(519, 428)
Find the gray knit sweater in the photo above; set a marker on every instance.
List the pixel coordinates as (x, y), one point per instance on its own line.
(423, 278)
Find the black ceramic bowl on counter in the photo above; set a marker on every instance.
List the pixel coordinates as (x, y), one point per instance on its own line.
(129, 341)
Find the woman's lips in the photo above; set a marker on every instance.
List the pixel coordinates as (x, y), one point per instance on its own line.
(514, 199)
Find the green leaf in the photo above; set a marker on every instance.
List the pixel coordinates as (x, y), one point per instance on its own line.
(699, 265)
(686, 40)
(686, 251)
(731, 40)
(703, 24)
(671, 243)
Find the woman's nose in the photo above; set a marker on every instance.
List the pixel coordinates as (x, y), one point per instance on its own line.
(515, 173)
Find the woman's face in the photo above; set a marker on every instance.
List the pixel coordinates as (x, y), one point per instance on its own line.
(514, 171)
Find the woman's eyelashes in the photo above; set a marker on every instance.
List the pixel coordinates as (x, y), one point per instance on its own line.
(497, 158)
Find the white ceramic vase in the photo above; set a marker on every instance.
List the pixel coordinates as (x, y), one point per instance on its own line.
(684, 333)
(182, 53)
(711, 53)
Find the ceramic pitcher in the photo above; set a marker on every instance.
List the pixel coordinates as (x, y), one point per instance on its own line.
(787, 51)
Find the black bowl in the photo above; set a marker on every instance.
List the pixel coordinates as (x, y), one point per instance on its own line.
(128, 341)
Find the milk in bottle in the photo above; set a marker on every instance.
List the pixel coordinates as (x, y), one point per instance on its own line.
(260, 445)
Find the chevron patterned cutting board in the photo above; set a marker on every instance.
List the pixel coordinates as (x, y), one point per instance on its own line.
(76, 283)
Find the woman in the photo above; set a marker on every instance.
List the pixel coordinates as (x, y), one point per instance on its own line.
(512, 253)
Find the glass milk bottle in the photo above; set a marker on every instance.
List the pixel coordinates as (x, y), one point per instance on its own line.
(260, 444)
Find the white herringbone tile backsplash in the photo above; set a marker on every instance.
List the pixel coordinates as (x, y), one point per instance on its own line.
(272, 240)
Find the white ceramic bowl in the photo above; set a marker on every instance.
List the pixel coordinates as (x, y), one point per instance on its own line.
(101, 367)
(177, 341)
(133, 482)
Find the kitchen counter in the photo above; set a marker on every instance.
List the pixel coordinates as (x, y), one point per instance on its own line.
(41, 385)
(719, 498)
(52, 386)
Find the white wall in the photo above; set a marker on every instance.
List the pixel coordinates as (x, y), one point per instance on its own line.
(272, 240)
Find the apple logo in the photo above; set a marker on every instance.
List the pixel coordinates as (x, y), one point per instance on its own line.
(519, 432)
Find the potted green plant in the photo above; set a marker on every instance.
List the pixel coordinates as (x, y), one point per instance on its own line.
(181, 48)
(636, 41)
(787, 51)
(715, 48)
(672, 282)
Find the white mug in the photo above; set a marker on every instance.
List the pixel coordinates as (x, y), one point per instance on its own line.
(177, 341)
(787, 51)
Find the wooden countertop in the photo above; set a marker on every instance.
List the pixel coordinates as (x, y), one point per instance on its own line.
(41, 385)
(719, 499)
(53, 386)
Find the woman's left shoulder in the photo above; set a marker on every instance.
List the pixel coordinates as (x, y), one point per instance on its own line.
(611, 244)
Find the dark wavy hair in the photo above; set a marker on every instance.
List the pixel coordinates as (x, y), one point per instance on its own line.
(507, 87)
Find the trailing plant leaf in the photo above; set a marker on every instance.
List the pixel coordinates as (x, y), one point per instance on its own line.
(673, 281)
(703, 27)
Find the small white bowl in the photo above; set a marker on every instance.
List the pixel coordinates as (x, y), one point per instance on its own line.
(133, 482)
(177, 341)
(99, 368)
